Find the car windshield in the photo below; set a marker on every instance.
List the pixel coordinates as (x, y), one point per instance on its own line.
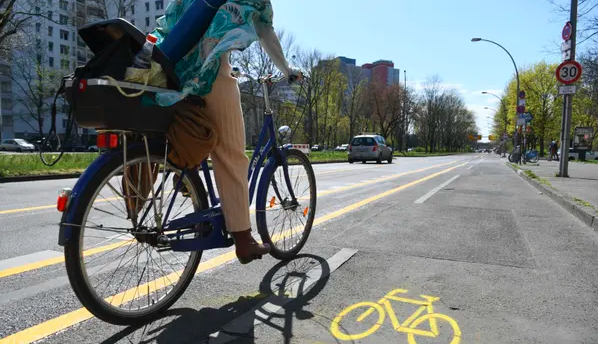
(21, 141)
(362, 141)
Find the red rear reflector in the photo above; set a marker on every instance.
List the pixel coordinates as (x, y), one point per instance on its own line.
(113, 140)
(63, 199)
(101, 141)
(107, 140)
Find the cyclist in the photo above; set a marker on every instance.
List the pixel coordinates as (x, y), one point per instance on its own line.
(206, 72)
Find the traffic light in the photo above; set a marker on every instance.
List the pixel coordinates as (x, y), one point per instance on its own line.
(491, 137)
(479, 137)
(471, 137)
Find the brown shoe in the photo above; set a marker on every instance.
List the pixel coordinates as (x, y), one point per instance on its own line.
(247, 249)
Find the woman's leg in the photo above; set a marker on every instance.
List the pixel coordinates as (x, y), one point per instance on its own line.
(223, 107)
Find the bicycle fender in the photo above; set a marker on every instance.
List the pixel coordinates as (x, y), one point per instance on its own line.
(65, 230)
(262, 187)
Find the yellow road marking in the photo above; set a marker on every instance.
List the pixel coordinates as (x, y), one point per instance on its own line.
(58, 260)
(65, 321)
(44, 207)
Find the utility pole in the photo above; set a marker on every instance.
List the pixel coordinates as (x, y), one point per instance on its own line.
(568, 101)
(406, 124)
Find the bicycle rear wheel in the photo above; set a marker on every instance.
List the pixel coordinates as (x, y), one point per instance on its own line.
(283, 223)
(117, 270)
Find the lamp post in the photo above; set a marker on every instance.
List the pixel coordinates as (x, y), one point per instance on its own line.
(516, 73)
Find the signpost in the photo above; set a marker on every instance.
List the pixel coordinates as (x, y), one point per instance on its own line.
(568, 73)
(567, 89)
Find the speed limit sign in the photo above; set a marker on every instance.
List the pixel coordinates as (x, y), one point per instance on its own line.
(568, 72)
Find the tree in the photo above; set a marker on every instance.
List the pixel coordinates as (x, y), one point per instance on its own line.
(36, 83)
(15, 17)
(385, 103)
(354, 97)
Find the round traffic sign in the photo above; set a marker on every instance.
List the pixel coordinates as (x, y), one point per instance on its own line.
(567, 30)
(520, 109)
(568, 72)
(521, 94)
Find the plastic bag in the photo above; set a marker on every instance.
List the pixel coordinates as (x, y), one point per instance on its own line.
(153, 77)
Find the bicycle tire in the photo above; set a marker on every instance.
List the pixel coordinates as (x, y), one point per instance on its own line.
(261, 219)
(456, 330)
(73, 256)
(335, 327)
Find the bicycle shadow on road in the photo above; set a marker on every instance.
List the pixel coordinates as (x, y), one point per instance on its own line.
(283, 293)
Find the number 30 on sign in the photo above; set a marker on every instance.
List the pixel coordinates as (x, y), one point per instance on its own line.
(568, 72)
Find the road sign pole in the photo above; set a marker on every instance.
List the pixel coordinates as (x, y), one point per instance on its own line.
(568, 101)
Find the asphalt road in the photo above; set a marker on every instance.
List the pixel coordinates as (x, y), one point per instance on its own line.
(452, 249)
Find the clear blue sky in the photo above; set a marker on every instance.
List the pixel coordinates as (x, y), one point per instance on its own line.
(431, 37)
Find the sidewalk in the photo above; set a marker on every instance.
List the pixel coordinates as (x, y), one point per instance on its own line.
(578, 193)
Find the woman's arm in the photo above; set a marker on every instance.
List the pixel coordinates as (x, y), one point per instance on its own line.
(269, 41)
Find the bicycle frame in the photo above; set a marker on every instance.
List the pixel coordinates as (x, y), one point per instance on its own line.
(217, 237)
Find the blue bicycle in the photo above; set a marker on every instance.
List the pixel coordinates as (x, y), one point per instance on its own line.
(127, 267)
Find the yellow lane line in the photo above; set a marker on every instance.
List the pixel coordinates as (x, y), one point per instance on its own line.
(100, 249)
(58, 260)
(65, 321)
(52, 206)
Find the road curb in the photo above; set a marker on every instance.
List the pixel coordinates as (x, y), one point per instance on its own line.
(38, 178)
(563, 199)
(77, 175)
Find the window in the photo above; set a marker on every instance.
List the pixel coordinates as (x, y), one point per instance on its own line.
(65, 108)
(147, 7)
(51, 61)
(5, 87)
(64, 49)
(64, 64)
(49, 2)
(159, 4)
(37, 10)
(64, 123)
(4, 70)
(38, 27)
(39, 59)
(64, 35)
(362, 141)
(6, 103)
(50, 46)
(50, 31)
(64, 19)
(50, 15)
(146, 21)
(133, 9)
(38, 43)
(7, 121)
(64, 5)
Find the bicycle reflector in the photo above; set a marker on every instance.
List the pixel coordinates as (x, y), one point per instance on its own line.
(63, 199)
(105, 140)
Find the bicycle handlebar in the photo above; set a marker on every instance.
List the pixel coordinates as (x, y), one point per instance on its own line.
(268, 79)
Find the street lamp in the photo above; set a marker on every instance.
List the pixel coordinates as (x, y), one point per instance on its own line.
(514, 64)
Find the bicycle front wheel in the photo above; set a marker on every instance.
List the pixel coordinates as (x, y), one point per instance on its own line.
(284, 222)
(438, 331)
(117, 269)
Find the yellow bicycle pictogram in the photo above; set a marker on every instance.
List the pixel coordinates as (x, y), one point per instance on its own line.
(409, 326)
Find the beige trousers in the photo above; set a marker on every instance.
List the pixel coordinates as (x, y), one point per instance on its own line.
(230, 164)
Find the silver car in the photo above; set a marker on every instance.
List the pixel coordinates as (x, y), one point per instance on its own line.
(369, 147)
(16, 145)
